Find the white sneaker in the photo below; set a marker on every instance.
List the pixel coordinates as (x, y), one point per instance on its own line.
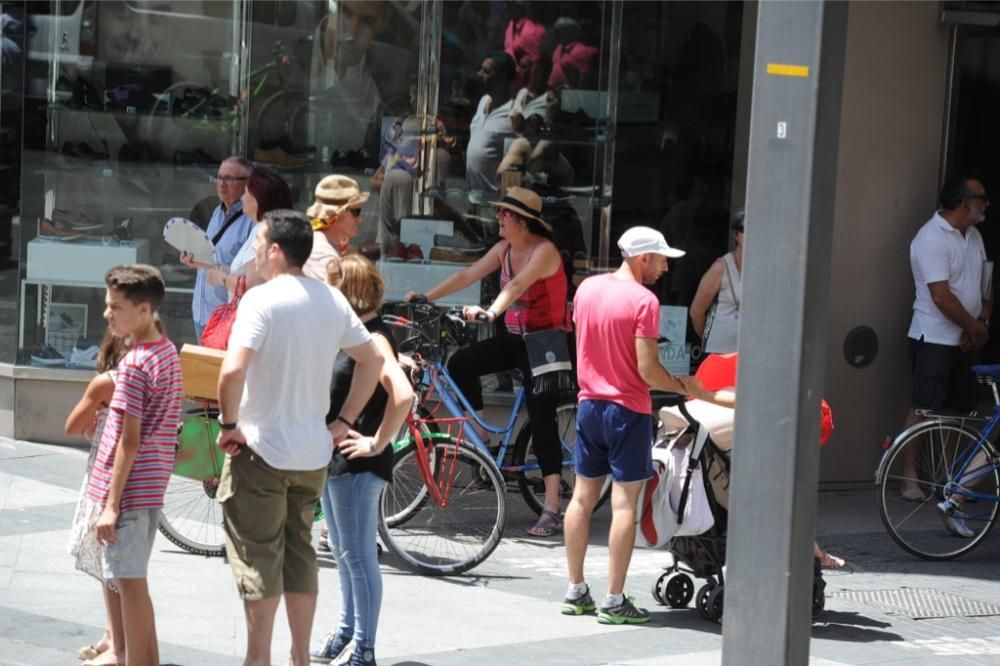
(954, 519)
(84, 358)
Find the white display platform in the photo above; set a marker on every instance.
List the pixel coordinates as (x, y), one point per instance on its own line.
(84, 261)
(402, 277)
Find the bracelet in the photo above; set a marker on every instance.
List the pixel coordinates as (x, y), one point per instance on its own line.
(343, 420)
(492, 313)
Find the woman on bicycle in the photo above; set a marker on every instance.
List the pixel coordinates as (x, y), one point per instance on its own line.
(532, 298)
(358, 474)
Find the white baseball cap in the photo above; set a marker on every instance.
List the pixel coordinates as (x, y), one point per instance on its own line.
(641, 240)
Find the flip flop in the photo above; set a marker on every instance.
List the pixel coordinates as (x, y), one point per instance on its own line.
(829, 561)
(548, 524)
(87, 652)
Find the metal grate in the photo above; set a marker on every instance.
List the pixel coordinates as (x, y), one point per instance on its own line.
(921, 604)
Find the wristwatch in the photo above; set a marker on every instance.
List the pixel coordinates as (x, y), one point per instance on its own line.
(224, 425)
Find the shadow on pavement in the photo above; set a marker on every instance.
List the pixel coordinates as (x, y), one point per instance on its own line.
(852, 626)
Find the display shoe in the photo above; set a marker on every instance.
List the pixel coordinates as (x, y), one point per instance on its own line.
(83, 355)
(370, 251)
(85, 149)
(454, 255)
(396, 253)
(414, 254)
(47, 356)
(72, 219)
(286, 145)
(278, 157)
(49, 230)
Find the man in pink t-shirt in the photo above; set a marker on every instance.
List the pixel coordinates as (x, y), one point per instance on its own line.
(617, 325)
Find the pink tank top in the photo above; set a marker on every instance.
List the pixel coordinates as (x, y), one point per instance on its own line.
(542, 306)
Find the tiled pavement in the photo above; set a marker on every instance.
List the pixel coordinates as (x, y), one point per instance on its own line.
(504, 612)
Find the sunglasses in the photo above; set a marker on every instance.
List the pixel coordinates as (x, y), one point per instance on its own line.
(356, 212)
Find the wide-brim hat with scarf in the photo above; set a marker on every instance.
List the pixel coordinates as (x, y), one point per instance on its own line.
(333, 195)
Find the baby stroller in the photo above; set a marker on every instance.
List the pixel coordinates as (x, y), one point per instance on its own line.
(703, 555)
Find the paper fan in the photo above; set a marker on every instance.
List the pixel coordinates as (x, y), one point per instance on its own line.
(187, 236)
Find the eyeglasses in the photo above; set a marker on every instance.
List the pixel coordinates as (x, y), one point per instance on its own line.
(229, 180)
(983, 197)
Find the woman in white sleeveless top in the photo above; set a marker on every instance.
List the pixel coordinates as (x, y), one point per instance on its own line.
(724, 279)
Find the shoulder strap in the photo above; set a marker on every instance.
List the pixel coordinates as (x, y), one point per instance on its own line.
(729, 278)
(232, 217)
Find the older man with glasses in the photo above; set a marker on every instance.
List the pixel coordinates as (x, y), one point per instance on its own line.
(228, 229)
(951, 314)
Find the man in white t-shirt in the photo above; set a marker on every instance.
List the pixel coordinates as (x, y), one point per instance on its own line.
(950, 316)
(490, 127)
(274, 393)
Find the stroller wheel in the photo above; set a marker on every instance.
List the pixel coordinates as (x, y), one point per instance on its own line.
(819, 591)
(677, 590)
(658, 588)
(702, 603)
(715, 603)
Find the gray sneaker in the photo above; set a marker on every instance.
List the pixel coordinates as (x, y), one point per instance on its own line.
(579, 605)
(624, 613)
(954, 518)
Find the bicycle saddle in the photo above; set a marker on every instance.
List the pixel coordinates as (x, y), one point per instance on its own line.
(668, 399)
(992, 370)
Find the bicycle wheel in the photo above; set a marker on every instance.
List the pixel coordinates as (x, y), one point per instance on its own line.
(529, 478)
(451, 539)
(939, 449)
(192, 518)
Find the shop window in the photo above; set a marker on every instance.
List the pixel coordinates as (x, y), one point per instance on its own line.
(129, 108)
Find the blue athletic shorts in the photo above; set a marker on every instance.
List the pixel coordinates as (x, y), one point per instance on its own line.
(611, 439)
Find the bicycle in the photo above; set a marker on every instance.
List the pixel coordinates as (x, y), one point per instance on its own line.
(957, 460)
(191, 516)
(426, 334)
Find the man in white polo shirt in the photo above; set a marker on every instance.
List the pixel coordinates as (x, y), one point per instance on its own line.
(950, 315)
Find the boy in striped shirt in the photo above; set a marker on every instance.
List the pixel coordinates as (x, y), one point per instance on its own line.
(136, 455)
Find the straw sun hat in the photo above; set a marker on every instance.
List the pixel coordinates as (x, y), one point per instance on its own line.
(333, 195)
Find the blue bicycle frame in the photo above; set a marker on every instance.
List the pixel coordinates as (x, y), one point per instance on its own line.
(966, 477)
(440, 383)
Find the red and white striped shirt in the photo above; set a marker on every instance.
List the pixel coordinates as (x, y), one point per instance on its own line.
(148, 387)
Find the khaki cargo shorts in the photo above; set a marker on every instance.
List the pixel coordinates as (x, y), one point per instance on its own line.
(268, 516)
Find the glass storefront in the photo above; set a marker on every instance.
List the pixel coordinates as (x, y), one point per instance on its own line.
(616, 113)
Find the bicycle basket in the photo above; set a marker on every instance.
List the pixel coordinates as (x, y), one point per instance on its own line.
(197, 455)
(416, 328)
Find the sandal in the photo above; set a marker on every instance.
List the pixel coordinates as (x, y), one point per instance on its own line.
(548, 524)
(88, 652)
(828, 561)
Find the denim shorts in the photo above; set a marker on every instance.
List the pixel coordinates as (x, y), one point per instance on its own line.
(611, 439)
(129, 557)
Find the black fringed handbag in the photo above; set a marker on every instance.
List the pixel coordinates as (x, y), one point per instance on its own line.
(551, 365)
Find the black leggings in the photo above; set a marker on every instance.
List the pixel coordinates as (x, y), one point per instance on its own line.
(506, 351)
